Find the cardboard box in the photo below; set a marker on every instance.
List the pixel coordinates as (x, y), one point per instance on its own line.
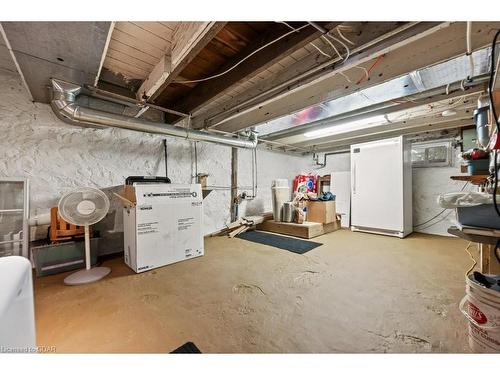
(321, 212)
(306, 230)
(162, 224)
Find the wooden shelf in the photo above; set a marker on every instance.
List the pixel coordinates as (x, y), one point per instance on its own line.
(490, 239)
(475, 179)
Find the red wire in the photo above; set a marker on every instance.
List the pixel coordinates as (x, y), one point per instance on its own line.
(370, 69)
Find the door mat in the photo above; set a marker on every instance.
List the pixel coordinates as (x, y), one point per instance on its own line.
(286, 243)
(187, 348)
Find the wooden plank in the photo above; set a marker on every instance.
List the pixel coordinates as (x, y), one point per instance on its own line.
(134, 42)
(188, 40)
(475, 179)
(305, 230)
(156, 28)
(143, 35)
(494, 265)
(157, 77)
(117, 66)
(117, 45)
(404, 52)
(363, 33)
(129, 60)
(251, 67)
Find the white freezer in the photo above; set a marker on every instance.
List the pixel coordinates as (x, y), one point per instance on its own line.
(381, 191)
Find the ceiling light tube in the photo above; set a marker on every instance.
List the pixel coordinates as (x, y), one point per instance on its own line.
(347, 127)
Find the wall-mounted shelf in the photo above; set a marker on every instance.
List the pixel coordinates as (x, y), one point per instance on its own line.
(474, 179)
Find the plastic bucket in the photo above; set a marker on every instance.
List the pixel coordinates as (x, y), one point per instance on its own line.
(481, 307)
(280, 195)
(479, 166)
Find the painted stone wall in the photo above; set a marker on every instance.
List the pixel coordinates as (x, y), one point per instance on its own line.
(427, 184)
(58, 157)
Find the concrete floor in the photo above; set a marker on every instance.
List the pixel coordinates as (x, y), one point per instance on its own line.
(356, 293)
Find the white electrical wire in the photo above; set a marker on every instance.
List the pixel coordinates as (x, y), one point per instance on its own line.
(245, 58)
(343, 44)
(287, 24)
(469, 49)
(320, 50)
(367, 74)
(342, 36)
(345, 76)
(472, 258)
(333, 46)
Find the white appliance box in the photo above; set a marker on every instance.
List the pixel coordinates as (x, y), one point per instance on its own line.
(162, 225)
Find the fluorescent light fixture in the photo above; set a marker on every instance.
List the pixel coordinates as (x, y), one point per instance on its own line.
(347, 127)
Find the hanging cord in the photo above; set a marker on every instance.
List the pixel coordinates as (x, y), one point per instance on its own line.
(320, 50)
(342, 35)
(348, 51)
(245, 58)
(439, 213)
(496, 250)
(472, 258)
(333, 46)
(495, 116)
(366, 76)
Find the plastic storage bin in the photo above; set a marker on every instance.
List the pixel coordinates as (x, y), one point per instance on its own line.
(483, 216)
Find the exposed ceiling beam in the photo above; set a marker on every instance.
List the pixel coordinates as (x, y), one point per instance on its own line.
(251, 66)
(189, 39)
(362, 35)
(104, 52)
(457, 124)
(322, 87)
(429, 98)
(407, 51)
(413, 126)
(18, 68)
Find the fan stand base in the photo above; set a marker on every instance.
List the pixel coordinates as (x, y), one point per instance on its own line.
(87, 276)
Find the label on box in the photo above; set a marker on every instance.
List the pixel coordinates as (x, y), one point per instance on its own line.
(185, 223)
(147, 228)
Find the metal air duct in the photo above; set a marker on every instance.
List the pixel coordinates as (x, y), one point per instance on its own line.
(64, 105)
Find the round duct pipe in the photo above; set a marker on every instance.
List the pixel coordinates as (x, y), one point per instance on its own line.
(64, 106)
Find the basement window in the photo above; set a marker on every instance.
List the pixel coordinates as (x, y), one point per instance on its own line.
(431, 154)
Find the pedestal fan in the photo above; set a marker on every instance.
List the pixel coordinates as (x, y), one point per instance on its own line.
(84, 207)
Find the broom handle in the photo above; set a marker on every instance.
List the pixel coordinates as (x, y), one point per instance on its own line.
(87, 247)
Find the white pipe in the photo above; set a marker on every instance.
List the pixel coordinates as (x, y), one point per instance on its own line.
(469, 49)
(39, 219)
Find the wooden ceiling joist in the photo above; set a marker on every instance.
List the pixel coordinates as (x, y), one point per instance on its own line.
(250, 67)
(188, 39)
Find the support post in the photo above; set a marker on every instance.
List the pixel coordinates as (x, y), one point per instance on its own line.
(234, 184)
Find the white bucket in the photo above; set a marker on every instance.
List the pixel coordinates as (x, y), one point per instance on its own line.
(481, 306)
(280, 195)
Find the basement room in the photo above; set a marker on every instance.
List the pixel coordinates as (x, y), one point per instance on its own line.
(237, 184)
